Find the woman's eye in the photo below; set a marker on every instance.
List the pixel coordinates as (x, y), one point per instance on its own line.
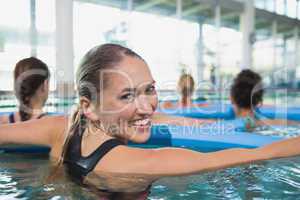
(151, 90)
(127, 97)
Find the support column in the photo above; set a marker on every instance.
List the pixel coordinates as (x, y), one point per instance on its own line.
(129, 5)
(178, 9)
(265, 5)
(64, 49)
(296, 58)
(248, 31)
(284, 54)
(285, 6)
(298, 10)
(275, 6)
(129, 10)
(218, 22)
(178, 53)
(274, 38)
(33, 29)
(200, 52)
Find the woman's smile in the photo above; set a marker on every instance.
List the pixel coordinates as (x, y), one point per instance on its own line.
(141, 125)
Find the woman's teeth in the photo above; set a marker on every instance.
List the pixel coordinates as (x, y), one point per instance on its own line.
(143, 122)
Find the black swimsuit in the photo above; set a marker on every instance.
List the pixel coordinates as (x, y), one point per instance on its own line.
(11, 117)
(77, 165)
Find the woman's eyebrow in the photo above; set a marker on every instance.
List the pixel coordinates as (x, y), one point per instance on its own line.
(150, 82)
(129, 90)
(135, 89)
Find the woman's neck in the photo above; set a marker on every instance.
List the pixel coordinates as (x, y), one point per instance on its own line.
(244, 112)
(36, 107)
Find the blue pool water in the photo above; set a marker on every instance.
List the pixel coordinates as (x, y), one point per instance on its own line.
(24, 177)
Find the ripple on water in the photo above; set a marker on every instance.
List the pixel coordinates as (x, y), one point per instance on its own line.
(277, 179)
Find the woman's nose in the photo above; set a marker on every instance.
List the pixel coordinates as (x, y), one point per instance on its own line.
(144, 105)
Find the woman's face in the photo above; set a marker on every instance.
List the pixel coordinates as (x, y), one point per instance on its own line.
(128, 100)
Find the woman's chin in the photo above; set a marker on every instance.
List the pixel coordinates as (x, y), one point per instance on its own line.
(141, 135)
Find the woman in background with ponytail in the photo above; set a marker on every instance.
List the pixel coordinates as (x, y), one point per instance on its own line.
(31, 87)
(185, 88)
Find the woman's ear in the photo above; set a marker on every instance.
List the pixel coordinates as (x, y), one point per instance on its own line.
(45, 86)
(88, 109)
(231, 100)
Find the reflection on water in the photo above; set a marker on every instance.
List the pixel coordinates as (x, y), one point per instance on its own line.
(278, 179)
(281, 131)
(23, 177)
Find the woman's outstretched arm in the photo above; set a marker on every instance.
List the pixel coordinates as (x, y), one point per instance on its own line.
(176, 161)
(39, 131)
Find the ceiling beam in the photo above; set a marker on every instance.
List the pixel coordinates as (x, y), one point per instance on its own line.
(195, 9)
(149, 5)
(230, 15)
(228, 4)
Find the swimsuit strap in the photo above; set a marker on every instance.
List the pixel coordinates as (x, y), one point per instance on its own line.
(11, 118)
(42, 115)
(80, 166)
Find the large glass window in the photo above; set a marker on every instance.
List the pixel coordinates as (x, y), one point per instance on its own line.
(92, 28)
(265, 4)
(167, 44)
(292, 8)
(264, 50)
(260, 4)
(45, 24)
(15, 38)
(280, 7)
(298, 10)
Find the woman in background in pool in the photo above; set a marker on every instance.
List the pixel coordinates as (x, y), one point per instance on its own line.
(31, 87)
(186, 88)
(117, 102)
(246, 95)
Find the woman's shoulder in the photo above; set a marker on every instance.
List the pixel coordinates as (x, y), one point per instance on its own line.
(60, 124)
(56, 120)
(57, 124)
(4, 119)
(8, 118)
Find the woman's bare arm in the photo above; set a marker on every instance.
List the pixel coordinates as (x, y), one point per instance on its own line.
(39, 131)
(4, 119)
(175, 161)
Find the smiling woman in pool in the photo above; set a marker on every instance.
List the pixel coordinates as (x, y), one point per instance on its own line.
(117, 103)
